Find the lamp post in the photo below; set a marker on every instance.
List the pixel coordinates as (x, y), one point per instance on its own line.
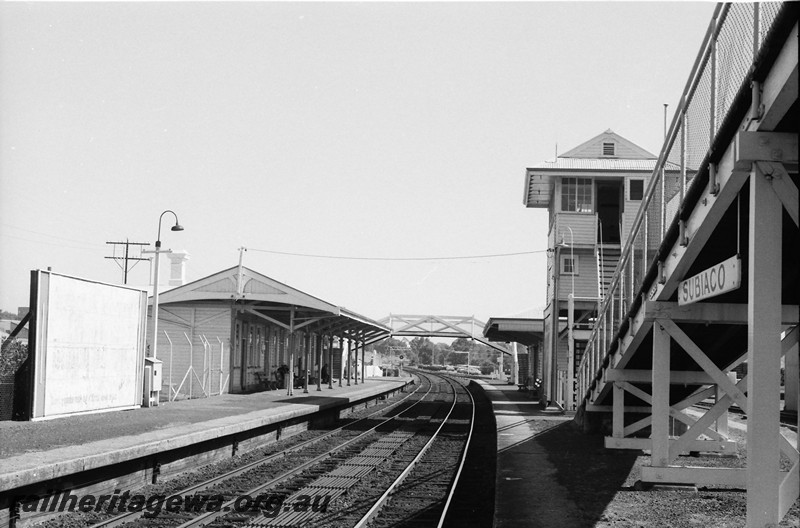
(570, 323)
(572, 256)
(548, 355)
(158, 251)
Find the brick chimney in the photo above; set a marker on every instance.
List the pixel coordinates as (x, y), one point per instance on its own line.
(177, 267)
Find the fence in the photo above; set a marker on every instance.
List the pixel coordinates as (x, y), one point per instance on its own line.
(708, 113)
(211, 380)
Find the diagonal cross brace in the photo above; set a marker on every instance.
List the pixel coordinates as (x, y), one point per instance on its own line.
(674, 411)
(783, 186)
(694, 351)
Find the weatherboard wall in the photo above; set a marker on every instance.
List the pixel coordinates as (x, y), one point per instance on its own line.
(184, 324)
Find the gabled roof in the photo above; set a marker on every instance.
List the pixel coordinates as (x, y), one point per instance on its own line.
(255, 287)
(588, 158)
(266, 298)
(594, 148)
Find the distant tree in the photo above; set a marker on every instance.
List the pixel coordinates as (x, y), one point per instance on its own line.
(382, 347)
(441, 352)
(462, 344)
(487, 368)
(390, 346)
(13, 354)
(423, 348)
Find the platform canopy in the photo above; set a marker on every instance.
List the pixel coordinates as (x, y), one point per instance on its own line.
(514, 329)
(254, 293)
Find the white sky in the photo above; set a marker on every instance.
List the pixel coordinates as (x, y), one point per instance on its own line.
(345, 129)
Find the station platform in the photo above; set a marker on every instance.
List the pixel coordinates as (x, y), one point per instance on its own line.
(531, 441)
(32, 452)
(540, 454)
(552, 474)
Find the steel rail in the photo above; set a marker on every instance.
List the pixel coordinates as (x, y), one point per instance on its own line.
(128, 517)
(227, 507)
(461, 464)
(362, 523)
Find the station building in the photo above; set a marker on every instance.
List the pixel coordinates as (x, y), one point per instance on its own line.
(238, 330)
(592, 194)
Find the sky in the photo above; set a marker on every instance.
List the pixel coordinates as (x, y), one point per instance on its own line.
(373, 132)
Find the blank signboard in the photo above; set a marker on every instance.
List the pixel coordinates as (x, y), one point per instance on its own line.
(88, 348)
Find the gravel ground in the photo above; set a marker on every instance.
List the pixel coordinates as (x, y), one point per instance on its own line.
(601, 483)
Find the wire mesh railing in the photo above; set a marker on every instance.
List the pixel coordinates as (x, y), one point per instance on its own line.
(722, 70)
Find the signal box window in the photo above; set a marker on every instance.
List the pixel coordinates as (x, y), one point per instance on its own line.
(635, 189)
(569, 265)
(576, 195)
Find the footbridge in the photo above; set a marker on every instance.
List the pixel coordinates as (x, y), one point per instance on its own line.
(703, 304)
(451, 326)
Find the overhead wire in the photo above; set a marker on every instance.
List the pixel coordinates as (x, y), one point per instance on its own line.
(86, 245)
(346, 257)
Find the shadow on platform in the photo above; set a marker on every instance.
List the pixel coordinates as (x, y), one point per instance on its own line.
(565, 478)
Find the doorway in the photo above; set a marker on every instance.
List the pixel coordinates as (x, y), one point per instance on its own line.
(609, 211)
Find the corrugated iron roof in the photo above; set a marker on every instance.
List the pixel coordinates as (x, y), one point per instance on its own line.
(539, 179)
(600, 164)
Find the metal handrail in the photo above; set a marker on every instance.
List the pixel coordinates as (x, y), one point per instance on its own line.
(622, 288)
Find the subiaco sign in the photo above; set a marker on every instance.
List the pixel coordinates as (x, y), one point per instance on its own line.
(724, 277)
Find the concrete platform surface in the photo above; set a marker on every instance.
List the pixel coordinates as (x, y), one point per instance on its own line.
(35, 451)
(527, 491)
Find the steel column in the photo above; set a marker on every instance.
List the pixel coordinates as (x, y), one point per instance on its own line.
(363, 359)
(290, 374)
(319, 361)
(570, 392)
(660, 397)
(719, 393)
(306, 355)
(341, 359)
(355, 360)
(618, 412)
(514, 364)
(763, 353)
(330, 361)
(349, 361)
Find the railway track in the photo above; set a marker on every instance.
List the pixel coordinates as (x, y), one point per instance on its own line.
(395, 467)
(405, 478)
(273, 484)
(199, 489)
(787, 418)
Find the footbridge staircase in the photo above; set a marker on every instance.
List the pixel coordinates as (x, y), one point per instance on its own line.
(703, 304)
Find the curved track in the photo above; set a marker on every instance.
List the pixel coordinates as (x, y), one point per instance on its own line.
(398, 466)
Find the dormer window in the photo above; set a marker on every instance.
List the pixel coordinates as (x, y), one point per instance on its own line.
(608, 149)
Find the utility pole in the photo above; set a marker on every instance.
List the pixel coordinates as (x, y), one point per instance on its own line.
(126, 258)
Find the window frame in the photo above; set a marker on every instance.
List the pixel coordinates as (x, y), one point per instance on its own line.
(630, 189)
(575, 268)
(613, 148)
(570, 187)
